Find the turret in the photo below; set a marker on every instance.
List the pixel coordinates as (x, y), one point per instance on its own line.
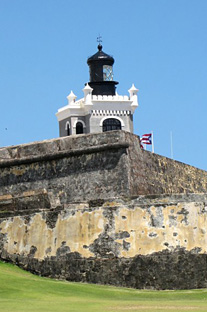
(71, 97)
(87, 94)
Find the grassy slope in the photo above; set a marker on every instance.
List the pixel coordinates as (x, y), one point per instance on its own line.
(22, 291)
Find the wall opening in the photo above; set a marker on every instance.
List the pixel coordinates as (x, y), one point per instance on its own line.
(110, 124)
(68, 129)
(79, 128)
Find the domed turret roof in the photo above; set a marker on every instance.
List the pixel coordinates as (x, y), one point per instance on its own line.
(100, 56)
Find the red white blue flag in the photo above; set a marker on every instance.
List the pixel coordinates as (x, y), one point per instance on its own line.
(146, 138)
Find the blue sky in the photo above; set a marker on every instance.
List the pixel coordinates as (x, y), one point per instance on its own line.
(159, 45)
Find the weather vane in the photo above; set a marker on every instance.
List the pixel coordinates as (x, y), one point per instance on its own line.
(99, 39)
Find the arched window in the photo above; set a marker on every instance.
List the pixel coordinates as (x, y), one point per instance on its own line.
(111, 124)
(79, 128)
(67, 127)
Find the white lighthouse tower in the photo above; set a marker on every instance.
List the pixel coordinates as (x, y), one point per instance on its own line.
(101, 109)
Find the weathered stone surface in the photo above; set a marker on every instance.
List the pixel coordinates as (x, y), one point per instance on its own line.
(163, 270)
(94, 167)
(93, 175)
(11, 205)
(160, 243)
(154, 174)
(96, 208)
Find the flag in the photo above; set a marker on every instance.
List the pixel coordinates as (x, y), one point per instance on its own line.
(146, 139)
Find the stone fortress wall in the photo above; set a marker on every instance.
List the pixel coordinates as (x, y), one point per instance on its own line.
(96, 208)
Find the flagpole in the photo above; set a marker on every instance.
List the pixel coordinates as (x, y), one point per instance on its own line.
(153, 150)
(171, 144)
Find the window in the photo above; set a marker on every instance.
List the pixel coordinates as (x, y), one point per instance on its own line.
(79, 128)
(111, 124)
(68, 128)
(107, 73)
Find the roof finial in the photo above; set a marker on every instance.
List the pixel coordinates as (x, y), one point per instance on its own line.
(99, 40)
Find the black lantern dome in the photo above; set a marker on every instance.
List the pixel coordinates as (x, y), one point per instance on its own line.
(101, 73)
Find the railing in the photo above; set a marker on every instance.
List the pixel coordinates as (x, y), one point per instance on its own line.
(110, 98)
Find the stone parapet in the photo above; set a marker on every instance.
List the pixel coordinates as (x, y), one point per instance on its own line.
(60, 146)
(71, 168)
(94, 166)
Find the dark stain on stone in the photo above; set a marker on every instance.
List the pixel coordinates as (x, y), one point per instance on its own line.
(63, 197)
(109, 216)
(152, 234)
(3, 239)
(185, 220)
(27, 219)
(63, 250)
(122, 235)
(185, 213)
(32, 251)
(175, 234)
(105, 246)
(157, 221)
(126, 245)
(196, 250)
(203, 209)
(52, 216)
(48, 250)
(96, 203)
(172, 220)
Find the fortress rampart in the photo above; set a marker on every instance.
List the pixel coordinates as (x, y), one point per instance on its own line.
(94, 166)
(96, 208)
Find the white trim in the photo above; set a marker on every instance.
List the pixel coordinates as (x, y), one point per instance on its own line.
(66, 125)
(81, 121)
(114, 117)
(110, 112)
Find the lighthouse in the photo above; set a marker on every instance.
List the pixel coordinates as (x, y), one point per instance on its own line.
(101, 108)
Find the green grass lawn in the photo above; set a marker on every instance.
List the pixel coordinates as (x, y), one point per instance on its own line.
(21, 291)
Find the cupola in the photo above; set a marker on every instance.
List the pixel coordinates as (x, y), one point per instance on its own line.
(101, 73)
